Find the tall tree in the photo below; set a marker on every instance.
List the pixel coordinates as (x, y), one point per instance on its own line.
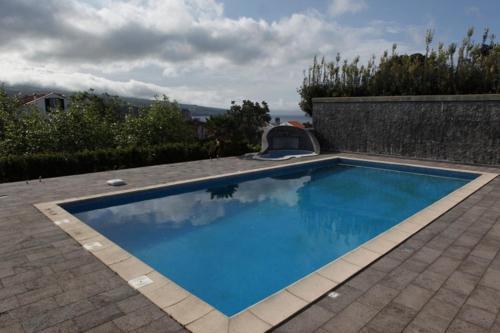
(242, 123)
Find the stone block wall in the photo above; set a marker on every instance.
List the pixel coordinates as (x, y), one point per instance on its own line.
(461, 128)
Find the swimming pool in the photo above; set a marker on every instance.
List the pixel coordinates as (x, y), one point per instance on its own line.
(237, 240)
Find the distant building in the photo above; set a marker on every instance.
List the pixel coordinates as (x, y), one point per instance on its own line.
(202, 119)
(200, 128)
(186, 114)
(46, 102)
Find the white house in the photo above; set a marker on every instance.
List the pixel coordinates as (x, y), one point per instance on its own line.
(46, 102)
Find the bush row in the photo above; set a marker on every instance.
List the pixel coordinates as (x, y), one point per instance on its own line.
(15, 167)
(470, 68)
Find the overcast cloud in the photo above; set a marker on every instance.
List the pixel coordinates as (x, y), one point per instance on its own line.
(186, 49)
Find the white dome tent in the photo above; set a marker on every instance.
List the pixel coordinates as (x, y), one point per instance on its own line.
(287, 141)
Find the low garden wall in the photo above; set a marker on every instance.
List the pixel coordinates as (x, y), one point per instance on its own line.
(461, 128)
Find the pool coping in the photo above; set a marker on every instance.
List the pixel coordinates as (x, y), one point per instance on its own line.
(198, 316)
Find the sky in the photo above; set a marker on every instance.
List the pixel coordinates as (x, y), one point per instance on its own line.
(210, 52)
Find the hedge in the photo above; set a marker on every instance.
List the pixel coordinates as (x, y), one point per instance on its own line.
(15, 168)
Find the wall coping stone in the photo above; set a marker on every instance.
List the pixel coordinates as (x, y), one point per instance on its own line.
(420, 98)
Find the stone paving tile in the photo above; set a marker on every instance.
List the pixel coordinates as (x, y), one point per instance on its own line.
(429, 324)
(496, 327)
(56, 316)
(430, 280)
(413, 297)
(351, 319)
(306, 321)
(485, 298)
(88, 268)
(102, 278)
(477, 316)
(457, 252)
(402, 252)
(66, 326)
(399, 278)
(22, 277)
(427, 255)
(133, 303)
(49, 283)
(444, 265)
(460, 326)
(491, 279)
(451, 297)
(34, 309)
(8, 304)
(366, 280)
(83, 292)
(367, 329)
(392, 318)
(386, 264)
(433, 318)
(474, 265)
(97, 317)
(346, 295)
(440, 242)
(462, 282)
(12, 328)
(164, 324)
(112, 296)
(378, 296)
(38, 294)
(12, 291)
(414, 265)
(495, 264)
(6, 320)
(486, 251)
(468, 239)
(139, 318)
(440, 309)
(109, 327)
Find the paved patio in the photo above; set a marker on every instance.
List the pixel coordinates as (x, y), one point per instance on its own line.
(444, 278)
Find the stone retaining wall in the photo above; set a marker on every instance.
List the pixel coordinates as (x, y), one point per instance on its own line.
(462, 128)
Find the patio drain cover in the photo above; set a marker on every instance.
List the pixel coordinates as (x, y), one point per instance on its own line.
(140, 281)
(116, 182)
(59, 222)
(92, 246)
(333, 294)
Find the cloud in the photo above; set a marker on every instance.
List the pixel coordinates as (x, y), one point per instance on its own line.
(340, 7)
(187, 49)
(14, 73)
(199, 208)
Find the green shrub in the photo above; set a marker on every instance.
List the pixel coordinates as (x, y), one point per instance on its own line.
(91, 122)
(18, 167)
(471, 68)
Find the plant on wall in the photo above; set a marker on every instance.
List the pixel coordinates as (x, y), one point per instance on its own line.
(471, 68)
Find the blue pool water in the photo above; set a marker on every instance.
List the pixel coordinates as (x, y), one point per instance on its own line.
(234, 241)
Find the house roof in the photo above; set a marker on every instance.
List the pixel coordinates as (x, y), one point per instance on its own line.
(28, 99)
(295, 123)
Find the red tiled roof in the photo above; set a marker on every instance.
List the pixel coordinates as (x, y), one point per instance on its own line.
(296, 123)
(31, 98)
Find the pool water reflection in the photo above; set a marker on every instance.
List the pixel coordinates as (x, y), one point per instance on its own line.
(236, 242)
